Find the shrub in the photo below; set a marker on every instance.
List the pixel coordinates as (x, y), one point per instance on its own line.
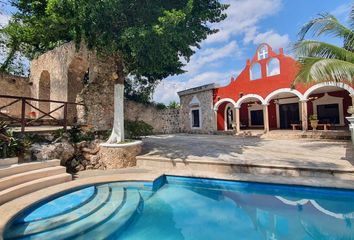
(174, 105)
(77, 135)
(137, 129)
(11, 145)
(160, 106)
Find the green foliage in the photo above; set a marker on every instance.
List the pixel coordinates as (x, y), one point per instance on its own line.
(11, 145)
(174, 105)
(153, 38)
(59, 133)
(77, 135)
(160, 106)
(137, 129)
(139, 89)
(313, 117)
(320, 61)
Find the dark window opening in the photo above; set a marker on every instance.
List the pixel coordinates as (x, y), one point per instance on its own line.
(195, 119)
(328, 113)
(257, 118)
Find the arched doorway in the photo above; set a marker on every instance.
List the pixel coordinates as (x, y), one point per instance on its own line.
(330, 101)
(77, 75)
(44, 92)
(229, 117)
(285, 107)
(253, 112)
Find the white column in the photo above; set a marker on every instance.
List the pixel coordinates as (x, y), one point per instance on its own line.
(304, 115)
(117, 135)
(237, 120)
(266, 118)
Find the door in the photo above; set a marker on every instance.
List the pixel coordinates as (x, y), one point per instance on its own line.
(289, 114)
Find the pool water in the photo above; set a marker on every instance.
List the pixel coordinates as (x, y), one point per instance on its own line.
(190, 208)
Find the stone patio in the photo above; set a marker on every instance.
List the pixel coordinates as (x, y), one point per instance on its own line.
(303, 153)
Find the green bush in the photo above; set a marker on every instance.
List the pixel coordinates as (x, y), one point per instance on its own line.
(160, 106)
(137, 129)
(10, 144)
(174, 105)
(77, 135)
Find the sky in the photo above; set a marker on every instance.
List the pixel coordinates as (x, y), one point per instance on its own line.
(249, 23)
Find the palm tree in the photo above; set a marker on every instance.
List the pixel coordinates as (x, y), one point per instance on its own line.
(321, 61)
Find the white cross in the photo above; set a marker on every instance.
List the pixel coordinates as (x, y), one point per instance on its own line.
(263, 54)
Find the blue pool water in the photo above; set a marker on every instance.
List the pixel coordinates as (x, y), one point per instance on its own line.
(190, 208)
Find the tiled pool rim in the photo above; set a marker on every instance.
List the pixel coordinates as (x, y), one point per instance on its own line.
(10, 210)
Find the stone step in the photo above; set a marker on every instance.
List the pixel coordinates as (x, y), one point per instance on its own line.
(25, 167)
(87, 209)
(20, 178)
(7, 162)
(114, 226)
(285, 169)
(115, 202)
(32, 186)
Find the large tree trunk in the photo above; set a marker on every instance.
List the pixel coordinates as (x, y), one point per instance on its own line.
(117, 134)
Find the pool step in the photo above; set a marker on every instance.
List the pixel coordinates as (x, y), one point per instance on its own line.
(101, 197)
(32, 186)
(112, 228)
(116, 200)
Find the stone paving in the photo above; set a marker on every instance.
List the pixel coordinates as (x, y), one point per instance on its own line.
(294, 152)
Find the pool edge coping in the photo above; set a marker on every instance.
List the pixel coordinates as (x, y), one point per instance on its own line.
(10, 209)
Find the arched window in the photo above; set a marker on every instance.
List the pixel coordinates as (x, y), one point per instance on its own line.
(263, 52)
(256, 72)
(273, 67)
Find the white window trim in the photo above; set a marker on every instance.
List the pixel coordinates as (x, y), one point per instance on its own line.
(254, 107)
(200, 118)
(225, 114)
(287, 101)
(326, 100)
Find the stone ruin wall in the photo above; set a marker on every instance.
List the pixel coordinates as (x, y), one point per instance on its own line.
(15, 86)
(163, 121)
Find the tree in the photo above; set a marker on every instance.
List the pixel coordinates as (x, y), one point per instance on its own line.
(321, 61)
(147, 38)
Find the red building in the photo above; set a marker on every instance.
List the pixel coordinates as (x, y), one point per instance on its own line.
(262, 96)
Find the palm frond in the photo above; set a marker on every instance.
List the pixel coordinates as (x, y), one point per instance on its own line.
(310, 48)
(327, 24)
(314, 69)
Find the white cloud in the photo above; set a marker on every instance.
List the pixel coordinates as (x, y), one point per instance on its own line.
(275, 40)
(242, 15)
(4, 19)
(167, 90)
(342, 10)
(211, 56)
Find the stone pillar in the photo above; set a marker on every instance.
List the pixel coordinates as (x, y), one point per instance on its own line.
(215, 120)
(237, 120)
(351, 127)
(304, 115)
(266, 118)
(117, 134)
(352, 96)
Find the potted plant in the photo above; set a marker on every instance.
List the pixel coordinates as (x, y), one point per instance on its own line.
(314, 122)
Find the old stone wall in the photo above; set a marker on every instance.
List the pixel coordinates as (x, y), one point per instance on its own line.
(163, 121)
(202, 100)
(15, 86)
(58, 75)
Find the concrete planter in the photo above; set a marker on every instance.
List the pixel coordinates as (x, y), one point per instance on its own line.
(314, 124)
(116, 156)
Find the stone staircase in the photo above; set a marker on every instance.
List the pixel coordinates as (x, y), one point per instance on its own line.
(20, 179)
(102, 213)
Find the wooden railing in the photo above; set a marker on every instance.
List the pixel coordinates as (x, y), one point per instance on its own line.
(26, 101)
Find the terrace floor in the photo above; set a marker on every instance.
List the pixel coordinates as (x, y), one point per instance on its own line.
(329, 154)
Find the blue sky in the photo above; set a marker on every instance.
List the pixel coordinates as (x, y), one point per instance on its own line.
(249, 23)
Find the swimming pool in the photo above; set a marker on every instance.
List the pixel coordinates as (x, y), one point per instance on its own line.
(189, 208)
